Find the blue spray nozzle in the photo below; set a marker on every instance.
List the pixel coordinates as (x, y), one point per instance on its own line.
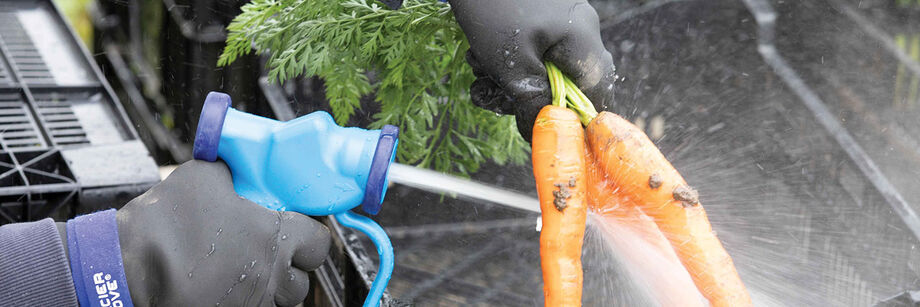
(308, 165)
(306, 160)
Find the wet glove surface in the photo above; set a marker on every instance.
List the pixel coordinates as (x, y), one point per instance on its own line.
(510, 39)
(192, 241)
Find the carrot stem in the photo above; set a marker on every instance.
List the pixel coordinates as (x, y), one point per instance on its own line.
(567, 94)
(556, 84)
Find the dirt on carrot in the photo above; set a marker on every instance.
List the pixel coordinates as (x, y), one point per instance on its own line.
(561, 196)
(654, 181)
(686, 195)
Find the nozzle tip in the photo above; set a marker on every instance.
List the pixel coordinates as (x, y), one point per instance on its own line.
(210, 124)
(384, 155)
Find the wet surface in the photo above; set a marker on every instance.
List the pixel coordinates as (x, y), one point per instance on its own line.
(807, 164)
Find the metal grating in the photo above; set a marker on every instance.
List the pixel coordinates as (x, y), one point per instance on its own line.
(458, 276)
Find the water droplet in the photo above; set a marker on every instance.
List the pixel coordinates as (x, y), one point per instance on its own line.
(274, 248)
(317, 174)
(283, 237)
(516, 31)
(219, 230)
(176, 207)
(228, 290)
(189, 274)
(291, 276)
(242, 277)
(507, 53)
(510, 63)
(570, 21)
(252, 264)
(211, 251)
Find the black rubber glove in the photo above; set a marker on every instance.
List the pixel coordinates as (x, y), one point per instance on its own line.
(192, 241)
(510, 39)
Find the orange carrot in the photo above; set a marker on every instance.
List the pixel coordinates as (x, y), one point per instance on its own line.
(636, 167)
(559, 168)
(638, 174)
(604, 199)
(638, 239)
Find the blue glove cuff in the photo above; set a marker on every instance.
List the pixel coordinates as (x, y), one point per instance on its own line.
(95, 260)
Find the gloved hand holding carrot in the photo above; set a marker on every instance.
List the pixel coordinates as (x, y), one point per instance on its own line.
(510, 39)
(637, 175)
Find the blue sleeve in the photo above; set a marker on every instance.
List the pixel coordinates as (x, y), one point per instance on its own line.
(34, 270)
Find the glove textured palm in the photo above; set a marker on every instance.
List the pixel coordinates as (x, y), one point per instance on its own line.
(192, 241)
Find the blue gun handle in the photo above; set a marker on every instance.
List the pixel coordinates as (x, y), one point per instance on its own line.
(384, 250)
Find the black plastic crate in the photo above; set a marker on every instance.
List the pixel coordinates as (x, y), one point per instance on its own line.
(66, 146)
(168, 50)
(193, 38)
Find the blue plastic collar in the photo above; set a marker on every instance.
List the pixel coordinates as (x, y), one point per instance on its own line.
(210, 123)
(376, 187)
